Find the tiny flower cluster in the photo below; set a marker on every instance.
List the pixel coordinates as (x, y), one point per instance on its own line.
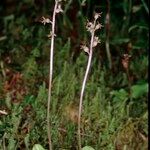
(125, 61)
(58, 10)
(92, 27)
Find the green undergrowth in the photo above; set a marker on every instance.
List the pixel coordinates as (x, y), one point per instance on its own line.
(111, 117)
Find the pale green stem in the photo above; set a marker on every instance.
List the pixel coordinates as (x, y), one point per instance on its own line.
(83, 88)
(50, 77)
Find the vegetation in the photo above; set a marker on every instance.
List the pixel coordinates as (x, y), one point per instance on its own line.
(114, 105)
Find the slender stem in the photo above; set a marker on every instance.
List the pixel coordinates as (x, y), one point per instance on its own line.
(108, 53)
(129, 79)
(50, 77)
(83, 88)
(145, 6)
(107, 34)
(4, 142)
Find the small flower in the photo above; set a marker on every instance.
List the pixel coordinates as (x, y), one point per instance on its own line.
(96, 41)
(98, 26)
(59, 9)
(46, 20)
(51, 34)
(90, 26)
(125, 61)
(85, 48)
(97, 15)
(3, 112)
(83, 3)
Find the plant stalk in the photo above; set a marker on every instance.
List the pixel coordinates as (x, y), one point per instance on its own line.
(50, 77)
(83, 88)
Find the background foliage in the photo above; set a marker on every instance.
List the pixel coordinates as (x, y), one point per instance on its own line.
(115, 104)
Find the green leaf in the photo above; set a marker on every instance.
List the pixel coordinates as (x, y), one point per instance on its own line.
(87, 148)
(139, 90)
(144, 27)
(120, 40)
(37, 147)
(120, 95)
(136, 8)
(36, 52)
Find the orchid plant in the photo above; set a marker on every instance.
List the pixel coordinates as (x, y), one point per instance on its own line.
(92, 27)
(51, 35)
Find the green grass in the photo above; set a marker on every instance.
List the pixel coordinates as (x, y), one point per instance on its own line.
(105, 112)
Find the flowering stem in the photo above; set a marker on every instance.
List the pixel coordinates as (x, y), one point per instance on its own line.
(83, 87)
(50, 76)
